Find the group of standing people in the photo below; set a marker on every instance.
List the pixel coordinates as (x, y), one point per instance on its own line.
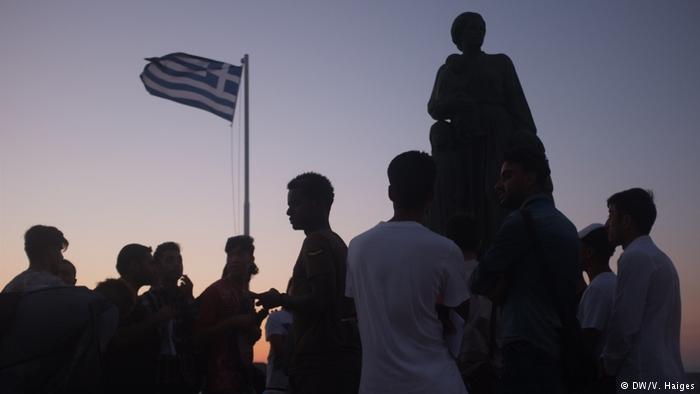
(401, 310)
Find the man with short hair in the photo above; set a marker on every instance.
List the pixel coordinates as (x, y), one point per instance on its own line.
(326, 356)
(398, 271)
(597, 300)
(136, 267)
(643, 342)
(531, 267)
(175, 372)
(44, 246)
(131, 359)
(227, 325)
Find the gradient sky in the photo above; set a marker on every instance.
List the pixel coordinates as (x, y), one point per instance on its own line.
(337, 87)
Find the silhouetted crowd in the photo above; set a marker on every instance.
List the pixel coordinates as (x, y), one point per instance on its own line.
(402, 309)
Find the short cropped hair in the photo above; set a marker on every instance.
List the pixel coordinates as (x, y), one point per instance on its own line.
(314, 186)
(165, 247)
(462, 230)
(245, 242)
(412, 178)
(598, 241)
(532, 159)
(128, 254)
(639, 204)
(39, 239)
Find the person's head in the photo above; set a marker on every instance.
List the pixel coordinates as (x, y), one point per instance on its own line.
(66, 271)
(468, 31)
(169, 262)
(44, 246)
(309, 199)
(411, 181)
(240, 259)
(595, 248)
(118, 293)
(135, 264)
(462, 230)
(524, 172)
(631, 213)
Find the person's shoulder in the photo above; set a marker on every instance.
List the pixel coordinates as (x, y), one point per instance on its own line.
(212, 289)
(318, 241)
(500, 58)
(372, 232)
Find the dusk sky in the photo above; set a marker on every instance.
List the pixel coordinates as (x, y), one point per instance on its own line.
(337, 87)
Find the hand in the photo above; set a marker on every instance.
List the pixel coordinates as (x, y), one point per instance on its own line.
(185, 287)
(269, 299)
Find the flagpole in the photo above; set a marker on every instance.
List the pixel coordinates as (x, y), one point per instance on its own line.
(246, 200)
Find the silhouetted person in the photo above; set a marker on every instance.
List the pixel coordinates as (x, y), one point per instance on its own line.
(227, 325)
(131, 360)
(398, 271)
(175, 372)
(481, 111)
(533, 263)
(597, 300)
(51, 335)
(67, 272)
(479, 357)
(44, 246)
(326, 354)
(595, 306)
(643, 342)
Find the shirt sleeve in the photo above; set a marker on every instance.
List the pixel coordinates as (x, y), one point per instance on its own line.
(318, 256)
(349, 286)
(455, 278)
(635, 272)
(508, 246)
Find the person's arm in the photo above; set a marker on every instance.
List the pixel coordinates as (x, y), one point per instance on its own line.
(509, 244)
(320, 270)
(635, 272)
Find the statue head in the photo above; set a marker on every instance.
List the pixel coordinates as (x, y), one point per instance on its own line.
(468, 31)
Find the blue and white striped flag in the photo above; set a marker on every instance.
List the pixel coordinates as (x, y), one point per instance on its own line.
(195, 81)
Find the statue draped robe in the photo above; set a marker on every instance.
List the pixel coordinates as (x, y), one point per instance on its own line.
(481, 111)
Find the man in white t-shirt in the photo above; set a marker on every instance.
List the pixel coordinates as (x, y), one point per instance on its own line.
(597, 300)
(397, 273)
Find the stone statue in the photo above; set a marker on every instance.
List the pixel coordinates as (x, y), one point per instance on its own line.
(480, 110)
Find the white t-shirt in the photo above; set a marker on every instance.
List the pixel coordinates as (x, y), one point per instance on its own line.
(396, 273)
(278, 323)
(596, 305)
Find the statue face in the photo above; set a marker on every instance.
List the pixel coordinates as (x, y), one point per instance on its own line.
(473, 32)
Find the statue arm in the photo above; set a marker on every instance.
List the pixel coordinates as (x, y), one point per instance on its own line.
(516, 101)
(444, 101)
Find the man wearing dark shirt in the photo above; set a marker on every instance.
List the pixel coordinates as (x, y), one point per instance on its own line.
(227, 326)
(326, 351)
(535, 254)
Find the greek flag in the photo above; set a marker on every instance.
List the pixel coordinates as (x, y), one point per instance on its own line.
(195, 81)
